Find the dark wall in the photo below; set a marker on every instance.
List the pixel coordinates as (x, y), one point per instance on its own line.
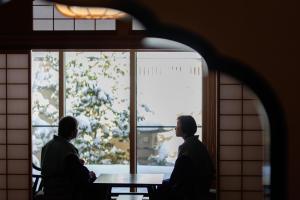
(16, 17)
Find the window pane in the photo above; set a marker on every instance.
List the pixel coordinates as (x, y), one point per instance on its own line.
(157, 149)
(97, 94)
(169, 84)
(40, 136)
(45, 88)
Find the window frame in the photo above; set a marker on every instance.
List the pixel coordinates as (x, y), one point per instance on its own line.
(209, 88)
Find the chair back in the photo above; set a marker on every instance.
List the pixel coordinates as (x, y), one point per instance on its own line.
(37, 180)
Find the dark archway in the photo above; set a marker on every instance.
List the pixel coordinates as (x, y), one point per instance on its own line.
(216, 61)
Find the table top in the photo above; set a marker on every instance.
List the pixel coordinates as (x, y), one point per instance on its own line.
(130, 179)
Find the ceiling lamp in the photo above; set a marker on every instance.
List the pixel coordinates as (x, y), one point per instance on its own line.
(89, 12)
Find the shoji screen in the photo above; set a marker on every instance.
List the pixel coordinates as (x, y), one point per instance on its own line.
(14, 126)
(241, 151)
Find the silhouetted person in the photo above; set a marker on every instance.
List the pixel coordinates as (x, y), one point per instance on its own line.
(193, 170)
(65, 177)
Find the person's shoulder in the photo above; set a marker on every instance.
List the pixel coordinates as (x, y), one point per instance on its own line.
(71, 148)
(48, 143)
(182, 147)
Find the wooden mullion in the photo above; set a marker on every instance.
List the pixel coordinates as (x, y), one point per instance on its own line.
(6, 129)
(61, 86)
(242, 142)
(133, 111)
(218, 133)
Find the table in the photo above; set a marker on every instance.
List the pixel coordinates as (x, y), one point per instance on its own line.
(150, 181)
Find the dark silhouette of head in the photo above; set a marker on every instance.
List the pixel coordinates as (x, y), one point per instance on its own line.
(67, 127)
(186, 126)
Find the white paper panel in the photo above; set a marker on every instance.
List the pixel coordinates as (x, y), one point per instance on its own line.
(105, 24)
(2, 181)
(84, 24)
(253, 153)
(2, 91)
(17, 121)
(18, 182)
(253, 138)
(226, 79)
(2, 166)
(18, 167)
(2, 136)
(17, 151)
(230, 107)
(252, 168)
(3, 194)
(17, 136)
(230, 137)
(2, 60)
(17, 106)
(42, 25)
(250, 107)
(252, 123)
(2, 151)
(17, 91)
(252, 183)
(67, 24)
(230, 195)
(3, 76)
(230, 92)
(230, 122)
(18, 195)
(248, 94)
(2, 107)
(17, 60)
(230, 153)
(230, 183)
(2, 121)
(253, 196)
(42, 12)
(42, 2)
(230, 167)
(58, 15)
(17, 76)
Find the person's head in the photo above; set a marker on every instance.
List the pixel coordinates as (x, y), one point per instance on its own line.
(67, 127)
(186, 126)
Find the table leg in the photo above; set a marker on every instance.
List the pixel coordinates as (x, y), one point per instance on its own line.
(151, 192)
(108, 192)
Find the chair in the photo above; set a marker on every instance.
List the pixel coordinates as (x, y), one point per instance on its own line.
(37, 187)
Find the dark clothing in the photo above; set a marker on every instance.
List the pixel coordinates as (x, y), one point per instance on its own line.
(53, 156)
(64, 176)
(194, 149)
(192, 173)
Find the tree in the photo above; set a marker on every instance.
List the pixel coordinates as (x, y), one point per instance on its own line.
(94, 84)
(44, 98)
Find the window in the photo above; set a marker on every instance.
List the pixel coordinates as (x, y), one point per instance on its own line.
(169, 84)
(98, 88)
